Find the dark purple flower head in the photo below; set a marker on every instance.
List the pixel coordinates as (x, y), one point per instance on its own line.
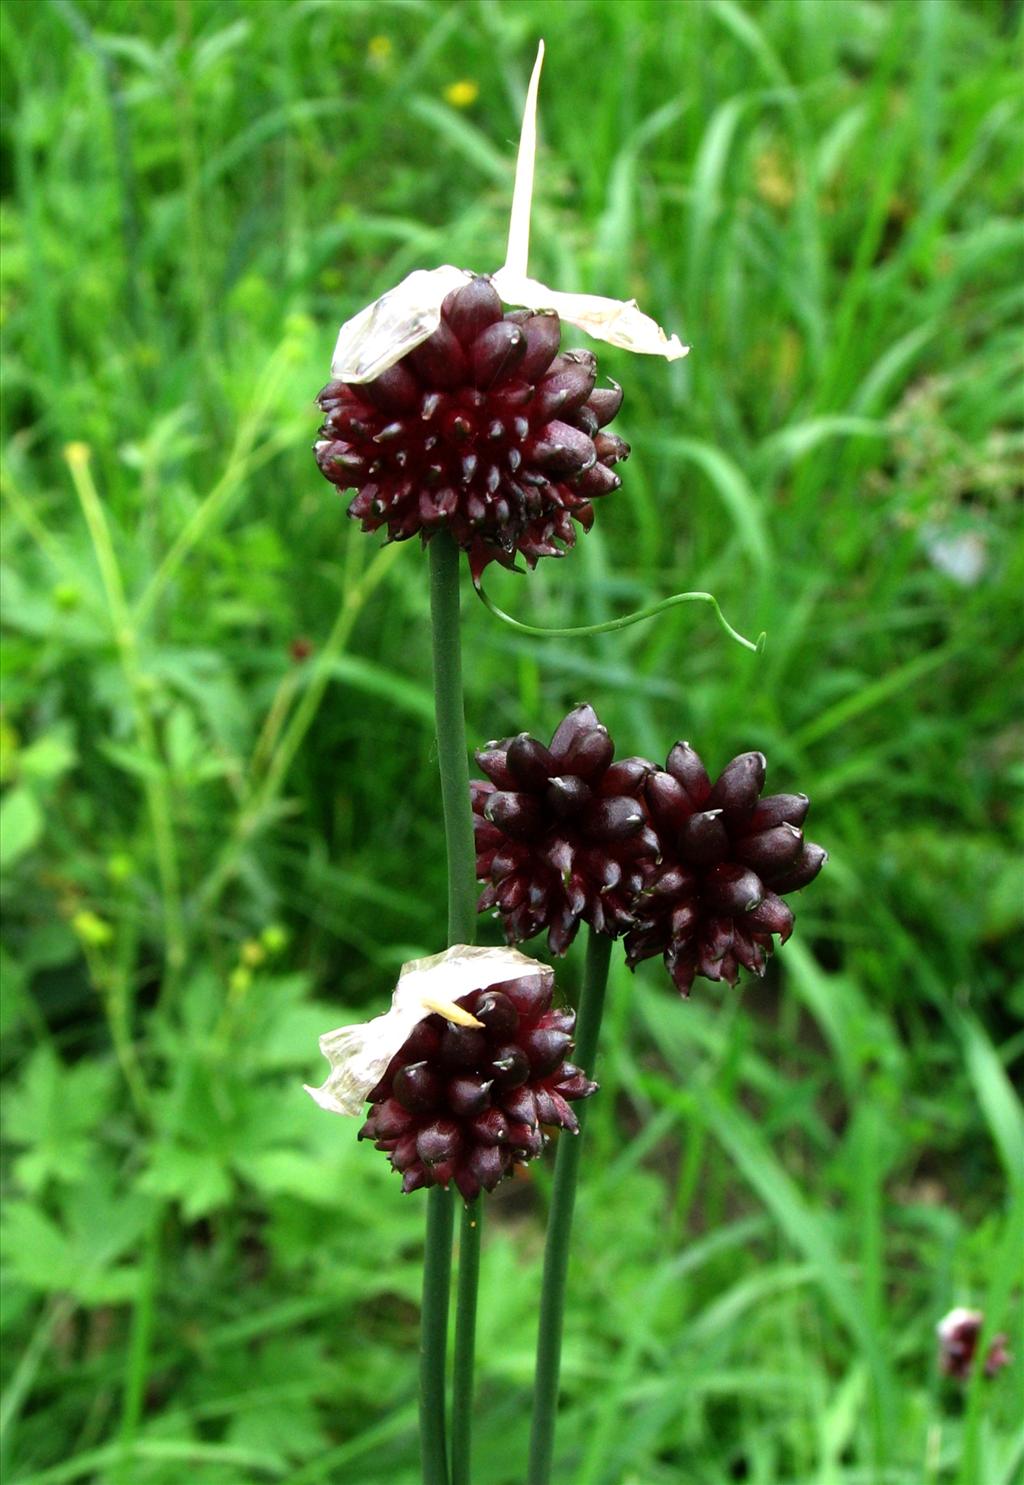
(727, 858)
(484, 429)
(446, 412)
(958, 1333)
(561, 832)
(466, 1104)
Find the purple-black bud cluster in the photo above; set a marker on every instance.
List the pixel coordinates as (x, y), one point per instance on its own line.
(561, 832)
(682, 867)
(466, 1104)
(484, 429)
(726, 857)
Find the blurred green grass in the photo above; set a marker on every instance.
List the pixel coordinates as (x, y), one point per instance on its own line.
(220, 825)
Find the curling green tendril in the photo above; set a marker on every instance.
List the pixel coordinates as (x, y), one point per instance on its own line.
(639, 614)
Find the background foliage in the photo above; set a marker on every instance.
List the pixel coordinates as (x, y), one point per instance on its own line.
(220, 821)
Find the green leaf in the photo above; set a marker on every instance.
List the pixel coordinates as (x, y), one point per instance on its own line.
(35, 1247)
(378, 680)
(55, 1111)
(132, 760)
(805, 1228)
(198, 1179)
(21, 824)
(996, 1097)
(47, 758)
(735, 491)
(80, 1252)
(13, 991)
(793, 443)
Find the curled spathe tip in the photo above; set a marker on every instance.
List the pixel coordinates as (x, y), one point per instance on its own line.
(407, 315)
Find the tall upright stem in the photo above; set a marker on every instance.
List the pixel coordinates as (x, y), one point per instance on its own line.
(563, 1201)
(437, 1271)
(465, 1339)
(452, 754)
(453, 766)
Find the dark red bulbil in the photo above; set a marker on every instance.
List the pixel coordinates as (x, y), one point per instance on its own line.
(466, 1105)
(561, 832)
(484, 429)
(727, 858)
(959, 1334)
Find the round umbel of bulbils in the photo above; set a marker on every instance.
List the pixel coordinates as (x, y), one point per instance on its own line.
(727, 858)
(466, 1104)
(485, 429)
(561, 832)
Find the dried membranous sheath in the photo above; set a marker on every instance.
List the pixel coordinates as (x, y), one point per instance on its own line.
(448, 410)
(463, 1072)
(359, 1054)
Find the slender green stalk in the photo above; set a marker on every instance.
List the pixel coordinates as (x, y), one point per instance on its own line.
(453, 766)
(281, 750)
(196, 252)
(465, 1339)
(563, 1201)
(437, 1269)
(113, 990)
(22, 1378)
(301, 720)
(138, 1360)
(121, 131)
(155, 787)
(246, 455)
(452, 754)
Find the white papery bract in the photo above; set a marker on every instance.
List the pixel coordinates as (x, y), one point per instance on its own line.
(359, 1054)
(407, 315)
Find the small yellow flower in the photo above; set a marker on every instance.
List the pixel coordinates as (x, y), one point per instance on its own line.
(77, 454)
(66, 596)
(274, 938)
(239, 980)
(93, 930)
(120, 867)
(463, 93)
(378, 51)
(253, 953)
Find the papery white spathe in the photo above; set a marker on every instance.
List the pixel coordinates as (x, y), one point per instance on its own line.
(394, 324)
(957, 1318)
(360, 1054)
(407, 315)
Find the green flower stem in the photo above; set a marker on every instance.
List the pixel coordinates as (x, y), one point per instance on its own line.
(563, 1200)
(452, 753)
(140, 1344)
(155, 780)
(465, 1339)
(453, 765)
(437, 1271)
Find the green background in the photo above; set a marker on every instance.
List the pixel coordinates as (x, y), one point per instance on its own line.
(221, 830)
